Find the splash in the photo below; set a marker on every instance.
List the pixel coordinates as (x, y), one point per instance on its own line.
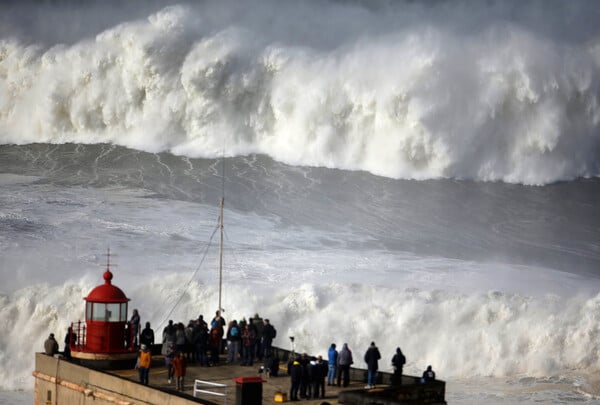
(395, 90)
(514, 334)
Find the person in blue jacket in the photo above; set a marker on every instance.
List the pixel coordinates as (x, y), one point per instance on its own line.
(332, 364)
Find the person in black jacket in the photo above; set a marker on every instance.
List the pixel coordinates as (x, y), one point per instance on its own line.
(428, 375)
(318, 371)
(372, 357)
(70, 340)
(398, 362)
(269, 333)
(295, 370)
(147, 335)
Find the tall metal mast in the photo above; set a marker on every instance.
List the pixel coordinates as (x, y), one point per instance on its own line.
(221, 228)
(221, 251)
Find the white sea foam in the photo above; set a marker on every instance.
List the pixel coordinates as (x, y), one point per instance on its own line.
(396, 90)
(464, 336)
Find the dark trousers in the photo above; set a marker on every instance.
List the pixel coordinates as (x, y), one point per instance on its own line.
(305, 388)
(144, 375)
(247, 355)
(201, 356)
(343, 374)
(319, 387)
(294, 390)
(397, 377)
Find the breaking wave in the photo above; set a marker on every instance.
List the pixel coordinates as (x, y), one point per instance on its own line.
(418, 91)
(483, 335)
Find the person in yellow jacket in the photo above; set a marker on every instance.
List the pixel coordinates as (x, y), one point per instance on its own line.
(143, 364)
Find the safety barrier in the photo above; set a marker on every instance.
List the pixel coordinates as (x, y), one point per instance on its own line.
(205, 387)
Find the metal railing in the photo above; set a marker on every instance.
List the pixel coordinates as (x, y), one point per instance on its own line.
(201, 385)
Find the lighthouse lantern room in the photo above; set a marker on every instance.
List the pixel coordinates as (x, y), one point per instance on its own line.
(105, 334)
(106, 317)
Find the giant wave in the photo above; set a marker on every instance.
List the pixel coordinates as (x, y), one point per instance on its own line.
(501, 92)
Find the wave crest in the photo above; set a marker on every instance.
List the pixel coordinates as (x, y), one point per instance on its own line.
(415, 101)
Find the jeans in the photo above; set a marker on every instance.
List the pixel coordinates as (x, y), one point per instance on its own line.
(372, 374)
(331, 375)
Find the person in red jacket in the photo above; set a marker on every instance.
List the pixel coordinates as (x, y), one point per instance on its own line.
(179, 369)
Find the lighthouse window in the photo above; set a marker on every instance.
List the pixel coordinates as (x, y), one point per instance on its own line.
(123, 312)
(99, 311)
(112, 312)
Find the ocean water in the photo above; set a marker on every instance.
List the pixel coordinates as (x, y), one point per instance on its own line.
(418, 174)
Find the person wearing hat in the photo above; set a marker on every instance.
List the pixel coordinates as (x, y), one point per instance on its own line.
(51, 345)
(372, 357)
(143, 364)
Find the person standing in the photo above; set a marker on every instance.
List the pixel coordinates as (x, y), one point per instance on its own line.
(372, 357)
(134, 325)
(344, 362)
(318, 374)
(295, 371)
(248, 342)
(180, 339)
(143, 366)
(51, 345)
(218, 318)
(147, 335)
(168, 336)
(70, 339)
(179, 369)
(398, 362)
(215, 342)
(332, 357)
(234, 339)
(169, 357)
(259, 327)
(269, 333)
(201, 342)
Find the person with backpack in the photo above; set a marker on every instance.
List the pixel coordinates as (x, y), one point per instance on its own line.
(398, 362)
(234, 338)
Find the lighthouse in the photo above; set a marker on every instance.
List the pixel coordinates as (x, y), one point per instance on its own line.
(104, 339)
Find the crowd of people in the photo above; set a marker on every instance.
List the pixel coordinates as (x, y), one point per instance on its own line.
(245, 341)
(308, 376)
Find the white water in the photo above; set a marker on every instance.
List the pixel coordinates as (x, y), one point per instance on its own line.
(495, 285)
(405, 90)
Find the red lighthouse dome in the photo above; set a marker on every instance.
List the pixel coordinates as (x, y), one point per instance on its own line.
(107, 292)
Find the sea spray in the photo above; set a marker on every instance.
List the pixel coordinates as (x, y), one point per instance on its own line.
(484, 335)
(407, 100)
